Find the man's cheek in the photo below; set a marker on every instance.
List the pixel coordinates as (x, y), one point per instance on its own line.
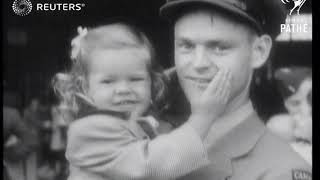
(182, 59)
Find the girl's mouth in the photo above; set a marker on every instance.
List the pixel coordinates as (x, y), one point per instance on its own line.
(199, 80)
(126, 102)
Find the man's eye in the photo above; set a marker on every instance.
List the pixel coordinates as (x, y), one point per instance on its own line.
(220, 50)
(185, 46)
(137, 79)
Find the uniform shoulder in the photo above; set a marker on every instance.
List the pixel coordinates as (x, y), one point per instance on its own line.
(281, 153)
(289, 173)
(280, 161)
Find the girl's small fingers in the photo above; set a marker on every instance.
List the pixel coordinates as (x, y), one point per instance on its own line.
(213, 84)
(229, 76)
(225, 81)
(226, 94)
(225, 89)
(221, 86)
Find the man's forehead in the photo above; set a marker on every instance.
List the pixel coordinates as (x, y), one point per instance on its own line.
(205, 14)
(206, 24)
(206, 17)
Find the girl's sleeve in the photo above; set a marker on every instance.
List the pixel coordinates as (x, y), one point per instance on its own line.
(106, 146)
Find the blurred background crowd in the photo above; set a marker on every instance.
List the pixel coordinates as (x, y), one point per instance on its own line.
(34, 138)
(37, 46)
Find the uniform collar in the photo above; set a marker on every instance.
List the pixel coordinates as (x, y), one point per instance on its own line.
(226, 123)
(237, 142)
(241, 138)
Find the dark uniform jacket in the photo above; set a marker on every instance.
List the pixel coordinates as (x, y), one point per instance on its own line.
(252, 153)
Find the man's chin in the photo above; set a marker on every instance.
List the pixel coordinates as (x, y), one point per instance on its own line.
(196, 88)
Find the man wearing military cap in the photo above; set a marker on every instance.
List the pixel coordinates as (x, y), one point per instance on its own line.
(237, 35)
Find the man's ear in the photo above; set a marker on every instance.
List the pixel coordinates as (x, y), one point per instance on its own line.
(261, 50)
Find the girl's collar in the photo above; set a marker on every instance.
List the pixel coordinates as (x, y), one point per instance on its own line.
(88, 112)
(87, 109)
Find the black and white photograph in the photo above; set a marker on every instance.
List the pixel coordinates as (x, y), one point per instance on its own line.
(157, 89)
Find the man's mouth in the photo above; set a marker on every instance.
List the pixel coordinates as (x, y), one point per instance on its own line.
(125, 102)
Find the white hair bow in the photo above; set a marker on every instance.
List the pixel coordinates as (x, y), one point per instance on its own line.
(76, 42)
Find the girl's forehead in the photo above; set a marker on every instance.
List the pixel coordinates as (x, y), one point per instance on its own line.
(115, 58)
(112, 35)
(127, 54)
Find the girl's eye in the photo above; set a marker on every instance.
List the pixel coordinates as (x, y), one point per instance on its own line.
(107, 81)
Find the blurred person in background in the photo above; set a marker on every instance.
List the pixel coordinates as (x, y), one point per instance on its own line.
(295, 126)
(39, 121)
(60, 114)
(18, 140)
(31, 116)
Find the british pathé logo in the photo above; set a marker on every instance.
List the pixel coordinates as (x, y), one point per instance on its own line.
(24, 7)
(295, 23)
(297, 5)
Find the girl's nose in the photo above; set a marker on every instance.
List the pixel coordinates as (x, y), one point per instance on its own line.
(123, 88)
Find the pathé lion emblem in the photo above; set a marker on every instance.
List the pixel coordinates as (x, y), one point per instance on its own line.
(297, 4)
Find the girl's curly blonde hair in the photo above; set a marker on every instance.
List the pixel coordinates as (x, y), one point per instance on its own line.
(71, 85)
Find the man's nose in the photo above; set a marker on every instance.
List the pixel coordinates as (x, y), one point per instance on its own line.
(123, 88)
(201, 62)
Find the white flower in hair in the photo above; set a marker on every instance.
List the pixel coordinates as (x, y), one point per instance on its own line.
(76, 42)
(63, 76)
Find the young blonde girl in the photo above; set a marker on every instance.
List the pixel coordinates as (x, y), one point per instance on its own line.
(113, 84)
